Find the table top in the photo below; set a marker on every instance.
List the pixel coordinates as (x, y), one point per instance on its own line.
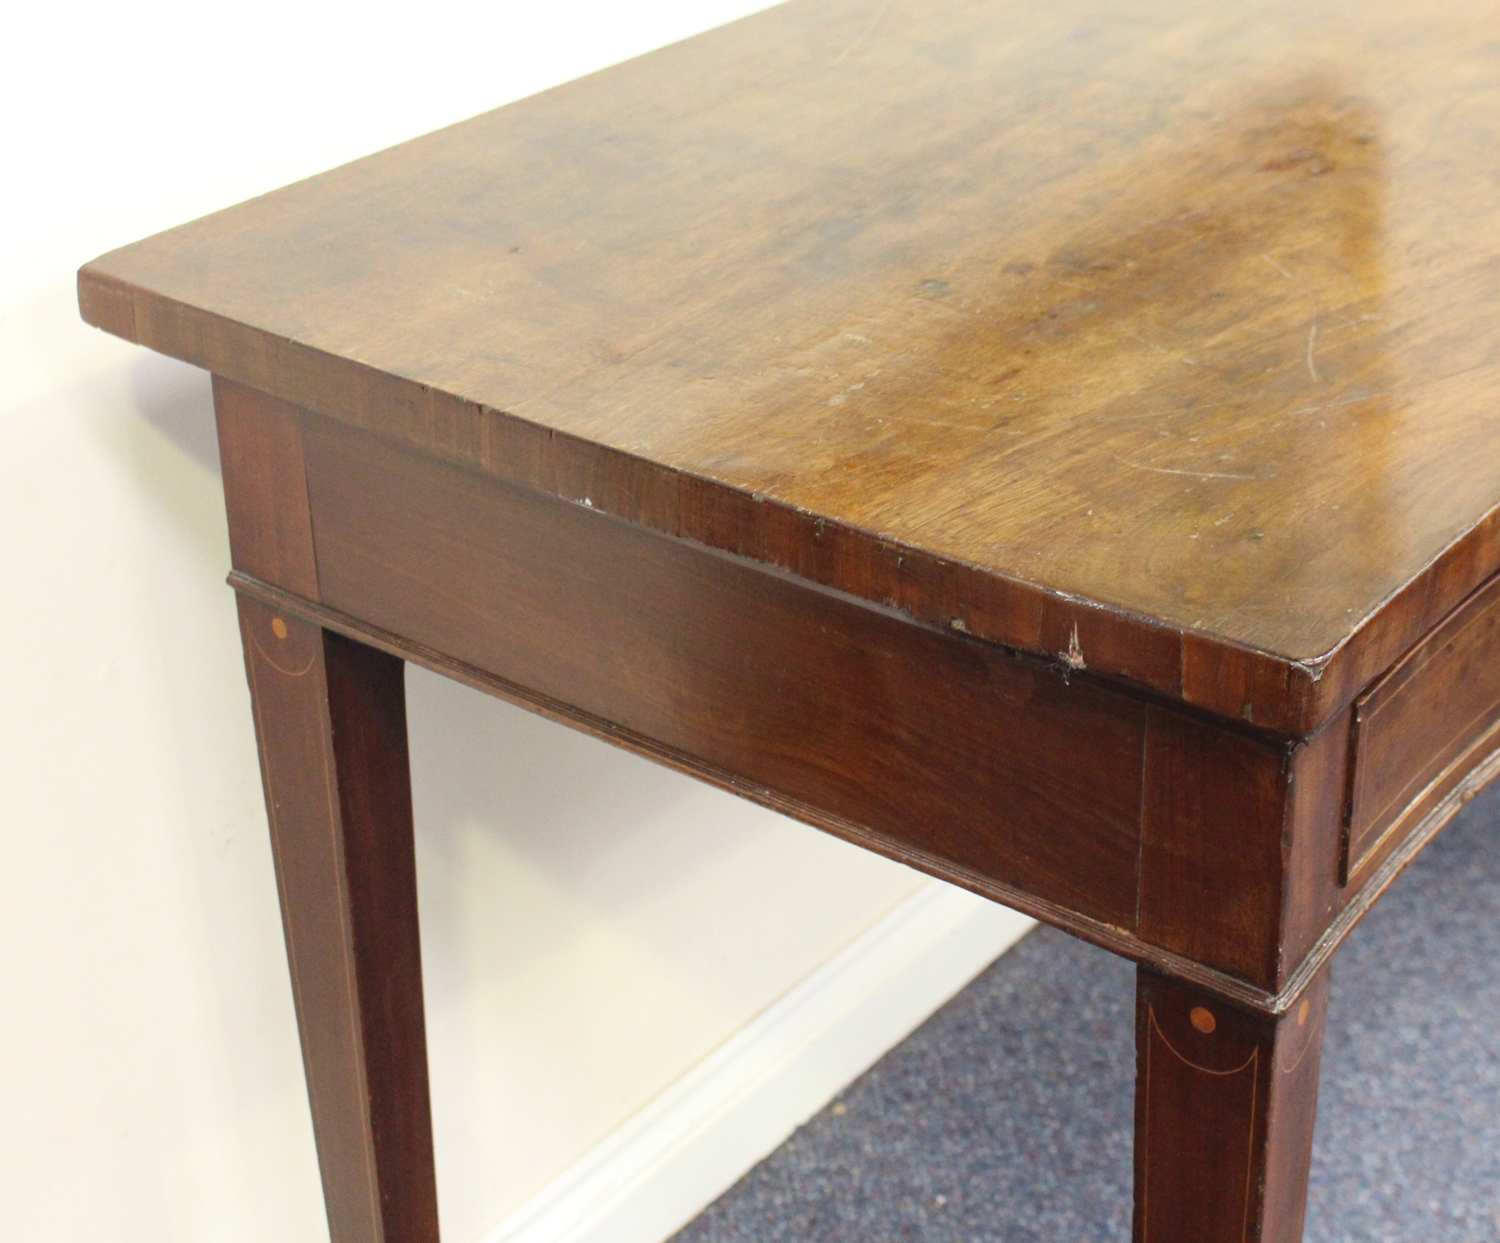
(1162, 338)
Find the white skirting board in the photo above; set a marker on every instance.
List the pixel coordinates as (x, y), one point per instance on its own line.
(662, 1167)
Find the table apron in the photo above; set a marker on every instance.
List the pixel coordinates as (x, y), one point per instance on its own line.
(1199, 847)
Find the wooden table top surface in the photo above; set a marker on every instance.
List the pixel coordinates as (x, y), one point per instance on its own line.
(1161, 337)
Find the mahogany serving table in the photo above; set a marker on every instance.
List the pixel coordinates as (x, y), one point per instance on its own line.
(1053, 444)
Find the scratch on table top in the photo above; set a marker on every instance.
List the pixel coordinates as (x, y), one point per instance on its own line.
(1191, 474)
(1148, 344)
(864, 34)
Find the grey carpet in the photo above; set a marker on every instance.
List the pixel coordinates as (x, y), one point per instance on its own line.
(1007, 1116)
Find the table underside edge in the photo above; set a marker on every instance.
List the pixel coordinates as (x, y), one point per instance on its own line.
(1227, 987)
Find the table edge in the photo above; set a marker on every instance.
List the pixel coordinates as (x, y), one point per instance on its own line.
(1266, 690)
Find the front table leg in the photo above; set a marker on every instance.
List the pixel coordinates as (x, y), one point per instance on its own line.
(1225, 1103)
(330, 718)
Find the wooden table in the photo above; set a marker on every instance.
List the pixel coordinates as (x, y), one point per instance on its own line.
(1052, 444)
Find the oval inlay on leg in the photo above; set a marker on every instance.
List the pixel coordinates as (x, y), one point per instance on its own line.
(278, 627)
(1203, 1020)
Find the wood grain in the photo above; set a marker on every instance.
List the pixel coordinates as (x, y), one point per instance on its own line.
(1413, 730)
(1211, 845)
(265, 488)
(1312, 845)
(944, 746)
(1225, 1108)
(331, 724)
(1159, 337)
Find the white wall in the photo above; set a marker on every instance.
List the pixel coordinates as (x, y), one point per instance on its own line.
(593, 926)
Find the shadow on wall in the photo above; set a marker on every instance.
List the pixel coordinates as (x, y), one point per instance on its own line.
(176, 399)
(575, 806)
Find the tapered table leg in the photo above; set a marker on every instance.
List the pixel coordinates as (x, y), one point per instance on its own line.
(330, 718)
(1225, 1104)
